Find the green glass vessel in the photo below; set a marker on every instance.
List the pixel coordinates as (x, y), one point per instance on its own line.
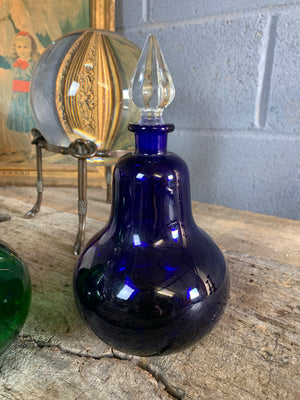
(15, 295)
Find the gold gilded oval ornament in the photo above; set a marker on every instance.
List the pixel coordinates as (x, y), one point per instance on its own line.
(79, 89)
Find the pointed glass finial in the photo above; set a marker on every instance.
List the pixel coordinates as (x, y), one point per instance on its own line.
(151, 87)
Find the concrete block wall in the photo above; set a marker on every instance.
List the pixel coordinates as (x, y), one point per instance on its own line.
(236, 69)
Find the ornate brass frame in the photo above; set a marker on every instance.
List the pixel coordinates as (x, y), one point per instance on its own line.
(102, 17)
(103, 14)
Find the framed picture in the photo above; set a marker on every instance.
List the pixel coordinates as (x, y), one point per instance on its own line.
(26, 30)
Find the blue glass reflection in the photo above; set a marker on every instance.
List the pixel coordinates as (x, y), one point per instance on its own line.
(128, 291)
(193, 294)
(136, 240)
(140, 176)
(170, 269)
(125, 292)
(175, 234)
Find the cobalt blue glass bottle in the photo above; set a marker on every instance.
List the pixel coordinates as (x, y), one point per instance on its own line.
(151, 282)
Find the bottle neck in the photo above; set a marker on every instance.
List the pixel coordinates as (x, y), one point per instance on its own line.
(151, 139)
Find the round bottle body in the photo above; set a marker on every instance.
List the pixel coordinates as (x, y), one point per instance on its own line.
(15, 295)
(151, 282)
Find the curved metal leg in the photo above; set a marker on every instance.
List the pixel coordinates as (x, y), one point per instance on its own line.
(82, 205)
(108, 183)
(39, 183)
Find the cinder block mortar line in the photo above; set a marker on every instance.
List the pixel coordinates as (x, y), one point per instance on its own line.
(152, 25)
(271, 135)
(145, 12)
(265, 68)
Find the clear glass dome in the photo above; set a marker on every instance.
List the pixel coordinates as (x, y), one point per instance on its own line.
(79, 89)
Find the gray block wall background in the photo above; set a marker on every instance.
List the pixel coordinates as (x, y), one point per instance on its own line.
(236, 69)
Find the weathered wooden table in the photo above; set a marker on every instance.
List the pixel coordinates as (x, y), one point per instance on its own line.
(251, 354)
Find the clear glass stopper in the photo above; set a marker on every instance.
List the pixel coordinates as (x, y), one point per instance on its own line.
(151, 87)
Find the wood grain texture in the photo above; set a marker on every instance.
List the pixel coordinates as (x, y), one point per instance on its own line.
(251, 354)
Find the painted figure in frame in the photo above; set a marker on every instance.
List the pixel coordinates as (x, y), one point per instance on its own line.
(23, 56)
(27, 27)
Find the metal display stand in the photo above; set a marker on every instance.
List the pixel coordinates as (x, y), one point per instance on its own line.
(81, 149)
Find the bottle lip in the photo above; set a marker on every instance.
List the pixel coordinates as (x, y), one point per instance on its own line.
(165, 128)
